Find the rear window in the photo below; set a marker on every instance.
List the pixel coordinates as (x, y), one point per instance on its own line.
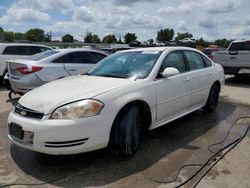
(80, 58)
(21, 50)
(40, 56)
(240, 46)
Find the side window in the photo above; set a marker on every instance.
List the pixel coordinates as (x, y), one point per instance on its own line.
(21, 50)
(194, 60)
(61, 59)
(240, 46)
(12, 50)
(96, 57)
(176, 60)
(43, 49)
(207, 62)
(30, 50)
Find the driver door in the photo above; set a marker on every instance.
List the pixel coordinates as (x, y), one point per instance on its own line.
(173, 93)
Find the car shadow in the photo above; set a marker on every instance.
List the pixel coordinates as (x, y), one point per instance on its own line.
(101, 168)
(238, 81)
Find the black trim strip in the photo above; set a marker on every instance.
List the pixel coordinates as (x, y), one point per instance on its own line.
(68, 142)
(64, 146)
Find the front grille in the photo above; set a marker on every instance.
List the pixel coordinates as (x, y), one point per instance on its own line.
(62, 144)
(26, 112)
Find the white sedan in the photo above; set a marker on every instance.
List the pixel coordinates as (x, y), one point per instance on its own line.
(122, 95)
(34, 71)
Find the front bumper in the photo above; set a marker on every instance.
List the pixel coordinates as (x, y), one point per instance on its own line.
(62, 137)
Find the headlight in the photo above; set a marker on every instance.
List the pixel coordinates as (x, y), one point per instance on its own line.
(80, 109)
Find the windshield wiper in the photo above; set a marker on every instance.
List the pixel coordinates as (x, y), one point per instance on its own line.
(111, 75)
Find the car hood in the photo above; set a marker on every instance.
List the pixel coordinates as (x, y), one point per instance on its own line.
(51, 95)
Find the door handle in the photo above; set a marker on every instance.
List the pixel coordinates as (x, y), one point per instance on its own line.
(186, 79)
(72, 70)
(232, 57)
(209, 73)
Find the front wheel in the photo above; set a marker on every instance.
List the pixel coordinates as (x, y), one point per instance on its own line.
(126, 134)
(213, 99)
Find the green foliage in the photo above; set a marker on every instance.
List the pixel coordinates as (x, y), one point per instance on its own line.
(200, 42)
(165, 35)
(223, 43)
(89, 38)
(181, 36)
(110, 39)
(36, 35)
(130, 38)
(19, 36)
(67, 38)
(8, 36)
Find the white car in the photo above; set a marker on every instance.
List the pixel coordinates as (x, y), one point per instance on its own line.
(122, 95)
(10, 51)
(32, 72)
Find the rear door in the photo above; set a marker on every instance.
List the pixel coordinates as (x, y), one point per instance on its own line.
(201, 77)
(53, 69)
(81, 62)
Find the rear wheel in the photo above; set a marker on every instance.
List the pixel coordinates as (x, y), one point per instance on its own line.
(213, 99)
(126, 134)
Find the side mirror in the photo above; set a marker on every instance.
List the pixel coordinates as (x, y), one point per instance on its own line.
(170, 71)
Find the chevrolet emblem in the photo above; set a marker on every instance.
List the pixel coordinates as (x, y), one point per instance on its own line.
(23, 113)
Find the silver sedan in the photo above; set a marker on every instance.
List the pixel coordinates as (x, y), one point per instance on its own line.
(26, 74)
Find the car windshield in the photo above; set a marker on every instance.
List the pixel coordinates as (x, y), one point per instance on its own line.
(42, 55)
(133, 64)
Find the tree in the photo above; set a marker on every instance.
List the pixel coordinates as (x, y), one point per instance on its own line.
(1, 33)
(165, 35)
(89, 38)
(47, 37)
(110, 39)
(130, 38)
(36, 35)
(96, 39)
(200, 42)
(19, 36)
(181, 36)
(67, 38)
(222, 43)
(151, 42)
(8, 36)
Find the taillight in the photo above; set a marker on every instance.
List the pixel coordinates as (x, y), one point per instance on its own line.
(26, 70)
(211, 57)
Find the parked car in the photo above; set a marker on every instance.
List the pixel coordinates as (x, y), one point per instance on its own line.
(124, 94)
(236, 59)
(209, 51)
(9, 51)
(187, 42)
(29, 73)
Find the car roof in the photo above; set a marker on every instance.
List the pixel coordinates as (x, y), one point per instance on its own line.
(22, 44)
(78, 50)
(241, 41)
(168, 48)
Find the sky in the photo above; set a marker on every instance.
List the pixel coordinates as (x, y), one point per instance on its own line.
(210, 19)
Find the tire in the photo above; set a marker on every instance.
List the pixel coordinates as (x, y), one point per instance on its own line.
(126, 135)
(213, 99)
